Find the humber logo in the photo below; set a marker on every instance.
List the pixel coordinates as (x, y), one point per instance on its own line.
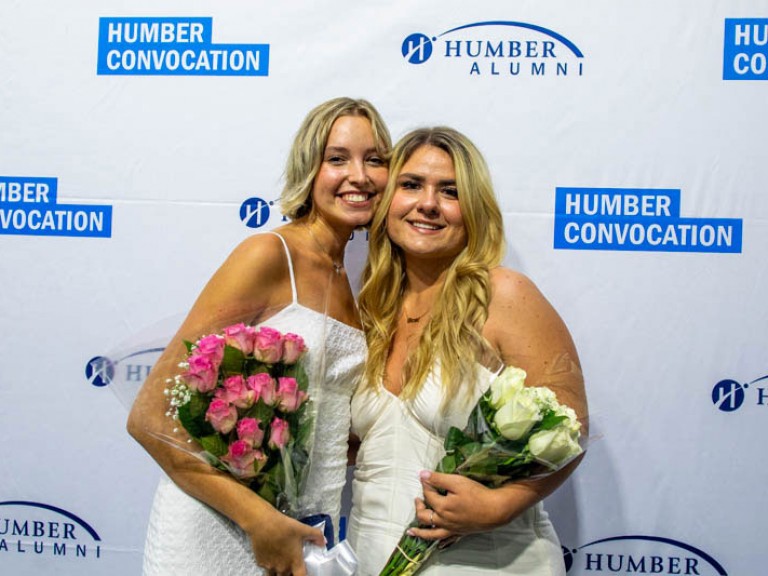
(745, 49)
(124, 375)
(637, 219)
(254, 212)
(499, 48)
(174, 46)
(636, 554)
(37, 529)
(29, 205)
(729, 395)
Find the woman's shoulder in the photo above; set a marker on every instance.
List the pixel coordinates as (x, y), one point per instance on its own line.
(258, 254)
(259, 260)
(509, 285)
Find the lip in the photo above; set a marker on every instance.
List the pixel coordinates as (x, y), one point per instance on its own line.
(356, 197)
(424, 226)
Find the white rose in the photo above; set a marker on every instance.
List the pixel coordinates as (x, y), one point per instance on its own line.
(544, 396)
(554, 446)
(572, 422)
(517, 415)
(506, 385)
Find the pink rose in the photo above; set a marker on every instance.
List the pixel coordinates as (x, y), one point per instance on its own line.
(241, 337)
(211, 346)
(268, 346)
(293, 348)
(202, 373)
(279, 433)
(237, 392)
(242, 460)
(264, 387)
(288, 395)
(249, 430)
(222, 415)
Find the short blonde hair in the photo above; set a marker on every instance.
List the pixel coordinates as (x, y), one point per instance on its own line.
(308, 147)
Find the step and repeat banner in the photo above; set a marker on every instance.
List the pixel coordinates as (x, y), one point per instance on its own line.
(141, 141)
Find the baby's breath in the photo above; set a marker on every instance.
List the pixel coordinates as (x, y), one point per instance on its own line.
(178, 395)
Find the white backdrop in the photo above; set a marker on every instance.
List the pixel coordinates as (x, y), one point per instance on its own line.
(120, 193)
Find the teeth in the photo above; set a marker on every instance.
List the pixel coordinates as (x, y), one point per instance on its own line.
(355, 197)
(425, 226)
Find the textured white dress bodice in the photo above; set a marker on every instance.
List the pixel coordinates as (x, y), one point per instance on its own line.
(187, 538)
(398, 440)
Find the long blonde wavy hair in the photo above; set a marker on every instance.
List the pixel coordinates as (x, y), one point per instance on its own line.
(453, 335)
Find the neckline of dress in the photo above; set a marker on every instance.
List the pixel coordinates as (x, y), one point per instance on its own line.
(489, 373)
(318, 313)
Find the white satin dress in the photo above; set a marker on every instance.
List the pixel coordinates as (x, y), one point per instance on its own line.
(187, 538)
(398, 440)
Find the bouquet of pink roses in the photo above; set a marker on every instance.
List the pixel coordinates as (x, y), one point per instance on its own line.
(514, 431)
(242, 395)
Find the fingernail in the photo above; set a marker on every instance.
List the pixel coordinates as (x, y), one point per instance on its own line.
(425, 474)
(410, 532)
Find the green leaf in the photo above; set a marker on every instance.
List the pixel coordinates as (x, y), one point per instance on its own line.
(447, 464)
(233, 361)
(470, 448)
(214, 444)
(253, 366)
(260, 411)
(551, 420)
(298, 372)
(192, 416)
(455, 438)
(266, 491)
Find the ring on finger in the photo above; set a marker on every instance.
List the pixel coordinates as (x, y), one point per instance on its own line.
(432, 518)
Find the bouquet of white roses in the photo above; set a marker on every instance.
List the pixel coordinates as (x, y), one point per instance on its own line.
(242, 395)
(514, 431)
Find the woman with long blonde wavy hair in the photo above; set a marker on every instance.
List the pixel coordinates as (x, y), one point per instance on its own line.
(441, 315)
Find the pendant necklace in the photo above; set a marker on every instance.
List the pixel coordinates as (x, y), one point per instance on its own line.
(338, 267)
(413, 319)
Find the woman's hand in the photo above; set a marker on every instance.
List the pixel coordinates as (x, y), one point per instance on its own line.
(464, 507)
(278, 546)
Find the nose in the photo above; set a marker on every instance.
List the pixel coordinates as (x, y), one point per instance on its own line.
(358, 173)
(427, 203)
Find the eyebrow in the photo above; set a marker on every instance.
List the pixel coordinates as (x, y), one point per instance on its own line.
(345, 149)
(419, 178)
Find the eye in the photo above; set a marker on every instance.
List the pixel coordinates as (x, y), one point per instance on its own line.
(335, 159)
(376, 161)
(451, 192)
(409, 185)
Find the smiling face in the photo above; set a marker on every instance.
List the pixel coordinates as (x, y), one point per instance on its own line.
(352, 175)
(424, 218)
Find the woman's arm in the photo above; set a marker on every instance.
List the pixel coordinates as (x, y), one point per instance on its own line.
(252, 280)
(528, 333)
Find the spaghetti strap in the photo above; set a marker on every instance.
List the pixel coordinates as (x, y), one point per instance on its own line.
(290, 266)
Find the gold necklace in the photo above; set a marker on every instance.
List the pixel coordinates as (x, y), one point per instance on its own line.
(337, 267)
(413, 319)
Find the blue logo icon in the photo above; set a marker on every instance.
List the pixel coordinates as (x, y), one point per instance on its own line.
(728, 395)
(417, 48)
(100, 371)
(254, 212)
